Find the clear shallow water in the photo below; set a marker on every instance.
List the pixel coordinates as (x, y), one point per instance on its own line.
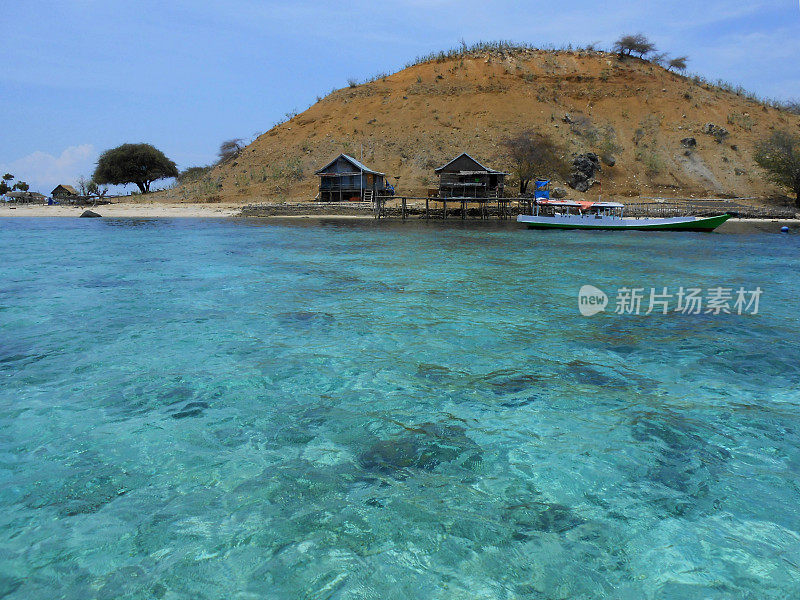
(201, 409)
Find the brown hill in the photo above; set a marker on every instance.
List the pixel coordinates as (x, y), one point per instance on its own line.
(417, 119)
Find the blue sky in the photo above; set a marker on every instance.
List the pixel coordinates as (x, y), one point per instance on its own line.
(84, 75)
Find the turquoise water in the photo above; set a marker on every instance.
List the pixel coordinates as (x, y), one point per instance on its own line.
(203, 409)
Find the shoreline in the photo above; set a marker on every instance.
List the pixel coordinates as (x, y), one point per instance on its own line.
(157, 210)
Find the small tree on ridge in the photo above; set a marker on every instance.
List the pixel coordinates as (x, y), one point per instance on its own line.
(230, 149)
(678, 64)
(634, 44)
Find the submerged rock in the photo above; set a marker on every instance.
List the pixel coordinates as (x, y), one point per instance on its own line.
(589, 374)
(511, 382)
(84, 492)
(520, 401)
(176, 395)
(435, 373)
(388, 456)
(538, 517)
(305, 318)
(192, 409)
(425, 447)
(684, 461)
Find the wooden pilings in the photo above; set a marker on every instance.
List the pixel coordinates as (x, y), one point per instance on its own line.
(486, 209)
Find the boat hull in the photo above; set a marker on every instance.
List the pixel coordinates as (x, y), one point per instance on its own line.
(706, 224)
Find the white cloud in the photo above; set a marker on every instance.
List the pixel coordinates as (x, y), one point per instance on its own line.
(43, 171)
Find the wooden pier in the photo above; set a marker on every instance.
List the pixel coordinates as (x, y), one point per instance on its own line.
(405, 207)
(408, 207)
(445, 208)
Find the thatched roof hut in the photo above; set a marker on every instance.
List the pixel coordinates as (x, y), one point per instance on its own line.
(25, 197)
(64, 192)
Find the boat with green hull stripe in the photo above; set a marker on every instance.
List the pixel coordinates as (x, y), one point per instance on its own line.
(591, 222)
(610, 216)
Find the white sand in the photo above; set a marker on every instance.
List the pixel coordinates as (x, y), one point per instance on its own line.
(124, 209)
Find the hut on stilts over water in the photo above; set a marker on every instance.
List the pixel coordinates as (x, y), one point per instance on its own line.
(465, 177)
(345, 178)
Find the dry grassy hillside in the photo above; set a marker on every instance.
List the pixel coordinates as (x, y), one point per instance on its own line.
(417, 119)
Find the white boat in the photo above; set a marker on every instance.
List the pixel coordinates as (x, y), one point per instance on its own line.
(570, 214)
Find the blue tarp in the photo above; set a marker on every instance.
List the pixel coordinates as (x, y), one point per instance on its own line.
(540, 190)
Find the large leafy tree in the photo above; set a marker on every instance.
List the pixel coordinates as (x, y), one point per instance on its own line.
(532, 154)
(779, 155)
(141, 164)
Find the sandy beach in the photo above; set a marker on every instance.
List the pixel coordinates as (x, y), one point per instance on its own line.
(126, 209)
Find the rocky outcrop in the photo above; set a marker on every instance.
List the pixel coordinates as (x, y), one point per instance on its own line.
(89, 214)
(689, 142)
(719, 133)
(584, 167)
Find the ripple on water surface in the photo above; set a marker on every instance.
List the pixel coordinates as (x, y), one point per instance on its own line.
(231, 409)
